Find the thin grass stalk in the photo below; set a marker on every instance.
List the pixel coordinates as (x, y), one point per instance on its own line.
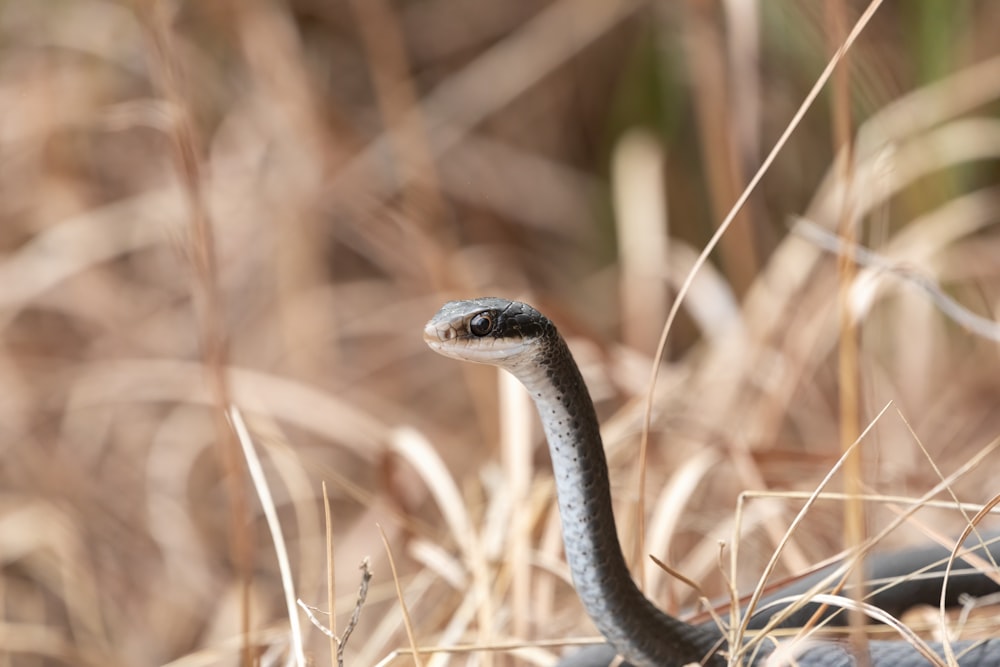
(848, 353)
(331, 579)
(207, 298)
(266, 498)
(715, 108)
(407, 622)
(993, 502)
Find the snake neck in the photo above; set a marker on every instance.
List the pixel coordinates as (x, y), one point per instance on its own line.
(637, 629)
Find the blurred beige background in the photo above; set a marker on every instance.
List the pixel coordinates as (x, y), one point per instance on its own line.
(260, 203)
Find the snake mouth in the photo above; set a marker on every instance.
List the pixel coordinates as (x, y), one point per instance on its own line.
(435, 335)
(442, 337)
(451, 339)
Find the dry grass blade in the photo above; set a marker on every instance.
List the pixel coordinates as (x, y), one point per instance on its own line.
(402, 602)
(274, 524)
(947, 305)
(871, 498)
(331, 580)
(969, 529)
(848, 348)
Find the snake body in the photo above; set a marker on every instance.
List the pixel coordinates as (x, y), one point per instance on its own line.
(516, 337)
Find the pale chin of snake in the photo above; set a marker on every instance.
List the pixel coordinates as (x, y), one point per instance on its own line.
(519, 339)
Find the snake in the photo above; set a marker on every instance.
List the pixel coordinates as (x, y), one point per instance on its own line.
(519, 339)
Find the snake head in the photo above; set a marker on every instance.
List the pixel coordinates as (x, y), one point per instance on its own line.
(488, 330)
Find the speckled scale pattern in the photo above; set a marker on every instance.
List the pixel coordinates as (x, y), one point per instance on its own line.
(520, 320)
(613, 601)
(647, 637)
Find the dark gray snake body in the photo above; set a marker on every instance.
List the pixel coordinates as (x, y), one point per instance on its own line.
(516, 337)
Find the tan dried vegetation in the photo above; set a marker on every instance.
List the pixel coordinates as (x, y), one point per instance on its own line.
(259, 204)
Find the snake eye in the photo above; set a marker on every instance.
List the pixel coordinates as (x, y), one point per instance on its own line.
(481, 324)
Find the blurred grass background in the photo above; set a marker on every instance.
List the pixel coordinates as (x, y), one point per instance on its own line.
(263, 201)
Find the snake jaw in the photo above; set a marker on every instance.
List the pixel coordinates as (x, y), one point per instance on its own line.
(436, 335)
(452, 340)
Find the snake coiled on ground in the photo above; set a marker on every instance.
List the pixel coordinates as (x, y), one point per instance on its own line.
(516, 337)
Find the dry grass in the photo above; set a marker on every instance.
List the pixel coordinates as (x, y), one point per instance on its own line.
(261, 203)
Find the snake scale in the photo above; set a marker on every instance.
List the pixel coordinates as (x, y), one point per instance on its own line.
(516, 337)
